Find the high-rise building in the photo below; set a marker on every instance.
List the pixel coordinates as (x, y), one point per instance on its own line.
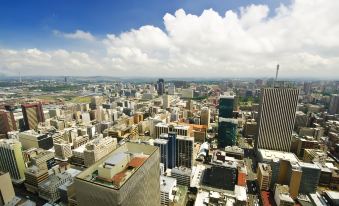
(205, 116)
(161, 87)
(184, 151)
(276, 118)
(172, 152)
(7, 122)
(33, 114)
(226, 106)
(129, 176)
(11, 159)
(227, 132)
(334, 104)
(163, 145)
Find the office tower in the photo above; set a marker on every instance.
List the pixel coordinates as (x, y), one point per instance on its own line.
(334, 104)
(172, 152)
(227, 126)
(11, 159)
(310, 178)
(184, 151)
(227, 132)
(129, 176)
(165, 101)
(7, 122)
(264, 176)
(226, 106)
(182, 175)
(163, 145)
(7, 193)
(98, 148)
(276, 118)
(167, 185)
(161, 87)
(205, 116)
(33, 114)
(307, 88)
(31, 139)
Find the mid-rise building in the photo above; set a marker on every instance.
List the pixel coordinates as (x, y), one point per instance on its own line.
(97, 149)
(310, 178)
(127, 176)
(48, 189)
(226, 106)
(276, 118)
(11, 159)
(182, 175)
(33, 177)
(63, 150)
(31, 139)
(33, 115)
(167, 186)
(264, 176)
(282, 197)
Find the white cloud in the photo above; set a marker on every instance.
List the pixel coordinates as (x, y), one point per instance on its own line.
(78, 34)
(301, 37)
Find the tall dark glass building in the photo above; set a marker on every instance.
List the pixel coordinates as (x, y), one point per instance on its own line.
(161, 86)
(171, 137)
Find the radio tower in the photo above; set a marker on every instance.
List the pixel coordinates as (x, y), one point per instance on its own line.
(276, 75)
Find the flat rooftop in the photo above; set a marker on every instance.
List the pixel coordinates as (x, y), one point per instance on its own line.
(137, 155)
(270, 155)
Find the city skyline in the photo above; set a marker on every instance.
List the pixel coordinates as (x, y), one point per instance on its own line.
(178, 39)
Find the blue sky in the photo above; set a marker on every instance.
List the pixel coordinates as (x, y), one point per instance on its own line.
(26, 24)
(170, 38)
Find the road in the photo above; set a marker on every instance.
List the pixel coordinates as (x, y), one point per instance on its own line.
(252, 186)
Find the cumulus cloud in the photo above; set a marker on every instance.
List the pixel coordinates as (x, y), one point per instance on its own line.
(78, 34)
(301, 37)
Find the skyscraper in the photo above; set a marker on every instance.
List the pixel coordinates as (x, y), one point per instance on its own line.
(161, 87)
(33, 114)
(129, 176)
(227, 126)
(226, 105)
(11, 159)
(277, 112)
(334, 104)
(7, 122)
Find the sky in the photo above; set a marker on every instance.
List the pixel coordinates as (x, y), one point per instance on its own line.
(170, 38)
